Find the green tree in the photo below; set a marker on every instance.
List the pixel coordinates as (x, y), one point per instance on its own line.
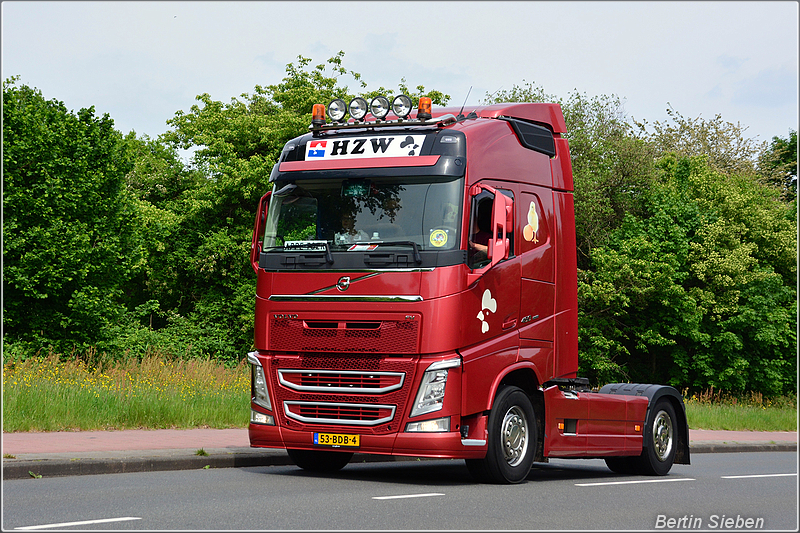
(698, 293)
(70, 240)
(778, 165)
(160, 182)
(725, 144)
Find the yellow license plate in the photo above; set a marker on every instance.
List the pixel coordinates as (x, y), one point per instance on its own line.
(336, 440)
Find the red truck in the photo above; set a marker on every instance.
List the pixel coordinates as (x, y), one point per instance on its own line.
(417, 296)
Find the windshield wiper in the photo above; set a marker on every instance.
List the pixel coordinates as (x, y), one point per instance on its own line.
(328, 255)
(417, 257)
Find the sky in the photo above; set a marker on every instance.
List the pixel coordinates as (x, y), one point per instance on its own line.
(141, 62)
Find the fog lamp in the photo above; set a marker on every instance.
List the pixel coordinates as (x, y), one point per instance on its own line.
(401, 106)
(379, 107)
(337, 110)
(261, 418)
(358, 108)
(429, 426)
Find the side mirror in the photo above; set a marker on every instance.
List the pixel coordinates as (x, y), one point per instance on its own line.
(502, 213)
(258, 230)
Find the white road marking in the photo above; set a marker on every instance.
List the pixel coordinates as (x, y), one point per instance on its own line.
(83, 523)
(407, 496)
(668, 480)
(757, 475)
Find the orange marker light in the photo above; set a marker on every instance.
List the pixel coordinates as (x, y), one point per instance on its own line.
(637, 428)
(318, 115)
(561, 426)
(424, 109)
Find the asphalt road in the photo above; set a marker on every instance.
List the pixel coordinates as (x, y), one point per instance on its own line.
(425, 495)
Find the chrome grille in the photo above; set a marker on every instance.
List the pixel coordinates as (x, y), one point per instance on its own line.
(338, 381)
(352, 414)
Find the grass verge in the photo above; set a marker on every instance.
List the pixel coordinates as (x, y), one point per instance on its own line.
(51, 394)
(751, 412)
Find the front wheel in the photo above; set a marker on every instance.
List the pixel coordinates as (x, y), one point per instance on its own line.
(657, 457)
(512, 440)
(320, 460)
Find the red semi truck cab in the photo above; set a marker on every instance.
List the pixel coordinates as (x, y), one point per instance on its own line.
(417, 295)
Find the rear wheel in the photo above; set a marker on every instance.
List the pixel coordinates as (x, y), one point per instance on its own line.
(320, 460)
(512, 440)
(658, 457)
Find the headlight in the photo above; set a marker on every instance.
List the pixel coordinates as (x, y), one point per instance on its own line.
(430, 396)
(258, 382)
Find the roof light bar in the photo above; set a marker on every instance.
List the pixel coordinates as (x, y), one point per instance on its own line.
(380, 106)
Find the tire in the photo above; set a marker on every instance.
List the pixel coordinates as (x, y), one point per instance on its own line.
(661, 440)
(623, 465)
(320, 460)
(512, 440)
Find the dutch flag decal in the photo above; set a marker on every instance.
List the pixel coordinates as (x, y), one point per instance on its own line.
(316, 149)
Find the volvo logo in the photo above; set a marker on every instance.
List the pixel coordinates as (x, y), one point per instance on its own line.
(343, 284)
(284, 316)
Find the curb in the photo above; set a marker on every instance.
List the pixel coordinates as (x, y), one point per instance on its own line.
(244, 458)
(738, 447)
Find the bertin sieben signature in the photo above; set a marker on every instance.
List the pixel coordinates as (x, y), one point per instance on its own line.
(712, 522)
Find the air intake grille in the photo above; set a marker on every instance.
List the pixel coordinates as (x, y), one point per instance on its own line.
(387, 336)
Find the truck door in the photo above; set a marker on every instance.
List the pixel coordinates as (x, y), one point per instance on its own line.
(491, 314)
(536, 251)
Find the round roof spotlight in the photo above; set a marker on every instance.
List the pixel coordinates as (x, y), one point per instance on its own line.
(337, 110)
(402, 105)
(358, 108)
(379, 107)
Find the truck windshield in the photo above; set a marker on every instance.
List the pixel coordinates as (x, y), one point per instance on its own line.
(344, 213)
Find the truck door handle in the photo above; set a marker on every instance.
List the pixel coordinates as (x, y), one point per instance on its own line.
(510, 323)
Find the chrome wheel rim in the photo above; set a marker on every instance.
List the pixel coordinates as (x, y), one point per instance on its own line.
(662, 436)
(514, 433)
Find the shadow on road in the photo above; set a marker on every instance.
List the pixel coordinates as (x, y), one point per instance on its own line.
(444, 472)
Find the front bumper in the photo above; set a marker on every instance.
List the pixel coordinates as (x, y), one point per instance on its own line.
(448, 445)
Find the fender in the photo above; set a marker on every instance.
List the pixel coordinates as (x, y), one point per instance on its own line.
(505, 372)
(653, 393)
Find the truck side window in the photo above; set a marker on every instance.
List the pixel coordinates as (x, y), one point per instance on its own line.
(481, 229)
(510, 229)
